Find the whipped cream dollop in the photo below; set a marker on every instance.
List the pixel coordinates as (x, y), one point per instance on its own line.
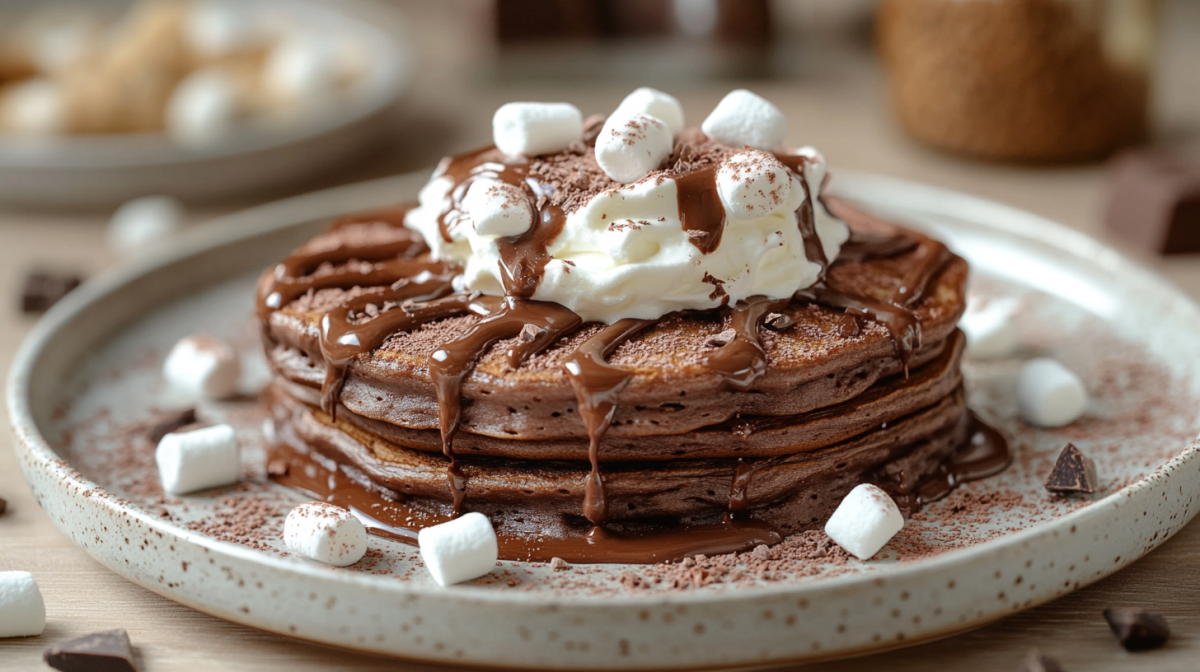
(631, 251)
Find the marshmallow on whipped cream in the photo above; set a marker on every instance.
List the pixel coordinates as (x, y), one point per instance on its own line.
(625, 249)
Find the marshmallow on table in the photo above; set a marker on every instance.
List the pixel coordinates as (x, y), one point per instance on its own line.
(325, 533)
(531, 129)
(498, 208)
(990, 330)
(202, 107)
(865, 520)
(753, 184)
(632, 144)
(142, 221)
(34, 107)
(199, 459)
(743, 118)
(1049, 394)
(656, 104)
(459, 550)
(22, 610)
(202, 367)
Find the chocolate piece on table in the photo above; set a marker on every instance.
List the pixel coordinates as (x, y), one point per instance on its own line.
(107, 651)
(1073, 472)
(3, 505)
(43, 289)
(1137, 629)
(169, 424)
(1154, 202)
(1036, 661)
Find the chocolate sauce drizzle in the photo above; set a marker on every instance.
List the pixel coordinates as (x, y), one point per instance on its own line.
(419, 291)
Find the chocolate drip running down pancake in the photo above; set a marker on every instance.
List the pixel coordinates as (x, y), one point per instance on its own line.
(737, 423)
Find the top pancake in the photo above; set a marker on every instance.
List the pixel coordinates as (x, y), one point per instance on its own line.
(810, 365)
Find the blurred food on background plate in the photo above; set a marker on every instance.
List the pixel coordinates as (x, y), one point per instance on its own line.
(190, 68)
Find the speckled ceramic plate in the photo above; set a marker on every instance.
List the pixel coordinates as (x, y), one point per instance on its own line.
(85, 386)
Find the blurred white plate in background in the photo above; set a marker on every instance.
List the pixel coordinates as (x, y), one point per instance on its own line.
(103, 170)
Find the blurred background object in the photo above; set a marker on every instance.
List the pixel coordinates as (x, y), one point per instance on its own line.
(105, 100)
(1025, 80)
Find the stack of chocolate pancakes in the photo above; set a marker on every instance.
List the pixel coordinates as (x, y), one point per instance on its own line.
(700, 431)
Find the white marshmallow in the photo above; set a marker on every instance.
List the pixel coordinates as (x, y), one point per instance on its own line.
(656, 104)
(214, 28)
(199, 459)
(498, 208)
(22, 609)
(1049, 394)
(202, 367)
(753, 184)
(202, 108)
(991, 331)
(631, 145)
(143, 220)
(531, 129)
(743, 118)
(34, 107)
(865, 521)
(303, 68)
(814, 168)
(325, 533)
(460, 550)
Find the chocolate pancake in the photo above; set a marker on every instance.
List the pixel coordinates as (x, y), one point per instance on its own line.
(768, 410)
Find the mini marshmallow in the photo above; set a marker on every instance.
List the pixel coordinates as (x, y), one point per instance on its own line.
(34, 107)
(303, 68)
(325, 533)
(199, 459)
(865, 521)
(814, 168)
(631, 145)
(753, 184)
(143, 220)
(215, 28)
(656, 104)
(743, 118)
(531, 129)
(22, 609)
(498, 208)
(202, 108)
(1049, 394)
(202, 367)
(991, 332)
(460, 550)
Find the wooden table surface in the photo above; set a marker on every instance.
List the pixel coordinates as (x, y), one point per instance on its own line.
(834, 100)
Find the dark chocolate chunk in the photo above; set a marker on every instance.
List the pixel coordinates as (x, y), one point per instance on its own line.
(529, 333)
(1036, 661)
(777, 321)
(43, 289)
(277, 468)
(1154, 202)
(175, 421)
(3, 505)
(1073, 472)
(107, 651)
(1136, 629)
(724, 338)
